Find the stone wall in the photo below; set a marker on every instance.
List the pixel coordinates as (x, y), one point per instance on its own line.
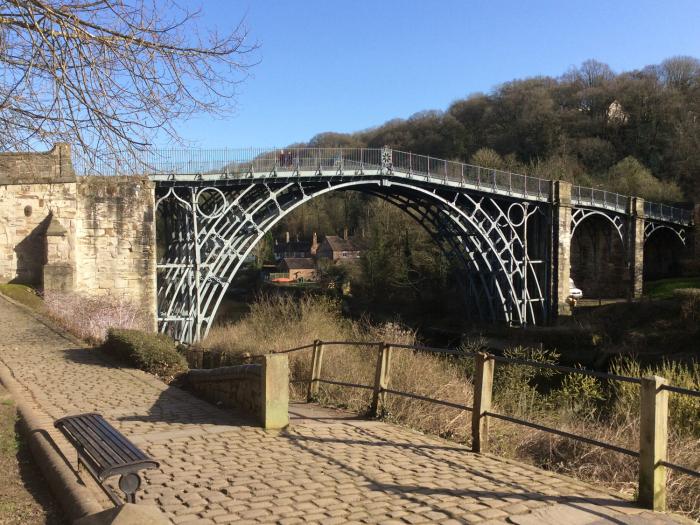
(560, 248)
(237, 387)
(94, 235)
(115, 238)
(34, 188)
(260, 390)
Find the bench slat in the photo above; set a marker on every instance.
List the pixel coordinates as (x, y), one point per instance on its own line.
(110, 440)
(134, 453)
(109, 454)
(84, 440)
(109, 451)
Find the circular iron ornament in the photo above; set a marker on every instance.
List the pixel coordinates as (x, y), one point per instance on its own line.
(514, 221)
(219, 211)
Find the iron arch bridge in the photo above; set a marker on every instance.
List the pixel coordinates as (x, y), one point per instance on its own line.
(503, 230)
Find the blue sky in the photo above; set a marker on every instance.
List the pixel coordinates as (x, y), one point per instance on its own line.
(345, 66)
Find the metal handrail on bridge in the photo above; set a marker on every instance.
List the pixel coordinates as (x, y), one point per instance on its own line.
(241, 163)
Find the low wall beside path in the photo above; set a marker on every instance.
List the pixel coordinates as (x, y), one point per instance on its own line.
(260, 389)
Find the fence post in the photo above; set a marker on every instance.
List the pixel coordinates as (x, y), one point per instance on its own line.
(381, 379)
(483, 389)
(653, 440)
(316, 362)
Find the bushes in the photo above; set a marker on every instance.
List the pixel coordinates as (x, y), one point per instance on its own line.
(278, 322)
(89, 317)
(690, 303)
(589, 406)
(152, 353)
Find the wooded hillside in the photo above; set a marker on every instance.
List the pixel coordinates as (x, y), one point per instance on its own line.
(635, 132)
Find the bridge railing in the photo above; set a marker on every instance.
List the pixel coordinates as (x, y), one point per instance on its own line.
(653, 407)
(664, 212)
(230, 161)
(480, 178)
(330, 161)
(598, 198)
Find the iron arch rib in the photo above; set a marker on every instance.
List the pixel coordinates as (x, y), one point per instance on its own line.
(208, 231)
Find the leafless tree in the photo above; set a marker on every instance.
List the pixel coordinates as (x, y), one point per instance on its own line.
(107, 75)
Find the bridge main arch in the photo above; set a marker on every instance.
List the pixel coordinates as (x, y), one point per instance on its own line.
(208, 229)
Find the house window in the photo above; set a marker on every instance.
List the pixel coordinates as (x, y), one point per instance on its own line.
(344, 254)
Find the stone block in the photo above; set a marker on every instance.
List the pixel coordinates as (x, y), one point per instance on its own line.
(275, 402)
(59, 277)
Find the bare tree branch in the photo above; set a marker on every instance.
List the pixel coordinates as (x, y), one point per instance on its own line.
(107, 75)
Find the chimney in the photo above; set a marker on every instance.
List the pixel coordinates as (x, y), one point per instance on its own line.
(286, 237)
(345, 233)
(314, 244)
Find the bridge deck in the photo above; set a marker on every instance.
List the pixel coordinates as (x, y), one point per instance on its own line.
(167, 166)
(328, 468)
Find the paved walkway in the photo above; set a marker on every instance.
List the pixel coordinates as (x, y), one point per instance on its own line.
(327, 468)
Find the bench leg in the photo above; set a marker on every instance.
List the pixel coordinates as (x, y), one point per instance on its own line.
(129, 484)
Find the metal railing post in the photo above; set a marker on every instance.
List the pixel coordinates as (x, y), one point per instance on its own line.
(653, 442)
(381, 379)
(316, 362)
(483, 390)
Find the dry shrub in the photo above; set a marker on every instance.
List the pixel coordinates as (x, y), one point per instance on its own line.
(612, 417)
(690, 303)
(595, 464)
(683, 410)
(436, 377)
(279, 322)
(572, 402)
(89, 317)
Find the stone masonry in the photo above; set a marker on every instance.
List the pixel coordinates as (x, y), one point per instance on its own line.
(561, 248)
(95, 235)
(329, 467)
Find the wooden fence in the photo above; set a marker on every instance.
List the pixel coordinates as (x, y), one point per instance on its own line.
(653, 407)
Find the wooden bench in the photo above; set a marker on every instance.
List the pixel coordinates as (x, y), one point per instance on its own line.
(105, 452)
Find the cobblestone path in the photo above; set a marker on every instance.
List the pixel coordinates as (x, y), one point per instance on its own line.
(327, 468)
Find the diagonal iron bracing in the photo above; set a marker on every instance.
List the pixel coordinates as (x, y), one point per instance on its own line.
(209, 230)
(495, 226)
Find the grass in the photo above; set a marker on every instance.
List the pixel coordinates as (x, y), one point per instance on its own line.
(578, 404)
(23, 294)
(24, 495)
(663, 288)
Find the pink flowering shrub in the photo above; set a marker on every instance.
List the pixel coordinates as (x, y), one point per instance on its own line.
(89, 317)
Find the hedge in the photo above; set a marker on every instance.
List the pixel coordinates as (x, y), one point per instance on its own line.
(152, 353)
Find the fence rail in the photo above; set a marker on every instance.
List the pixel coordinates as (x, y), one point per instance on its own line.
(653, 407)
(241, 163)
(652, 453)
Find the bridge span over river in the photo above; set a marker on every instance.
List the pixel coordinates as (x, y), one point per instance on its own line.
(171, 229)
(509, 233)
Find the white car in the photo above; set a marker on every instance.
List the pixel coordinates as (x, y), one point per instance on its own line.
(574, 292)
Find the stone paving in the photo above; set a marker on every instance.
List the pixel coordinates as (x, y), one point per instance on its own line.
(328, 467)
